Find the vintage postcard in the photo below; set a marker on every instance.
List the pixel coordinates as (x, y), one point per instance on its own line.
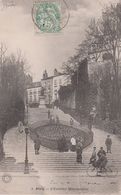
(60, 97)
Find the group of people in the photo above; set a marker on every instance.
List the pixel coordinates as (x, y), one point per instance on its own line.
(99, 159)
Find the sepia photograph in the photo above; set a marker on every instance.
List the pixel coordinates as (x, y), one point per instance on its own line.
(60, 97)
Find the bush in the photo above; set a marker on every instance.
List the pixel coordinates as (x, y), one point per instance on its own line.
(49, 105)
(113, 126)
(34, 105)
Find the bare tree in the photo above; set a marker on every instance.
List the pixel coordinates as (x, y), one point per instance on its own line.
(3, 51)
(12, 91)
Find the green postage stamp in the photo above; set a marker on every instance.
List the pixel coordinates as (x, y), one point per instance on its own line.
(47, 16)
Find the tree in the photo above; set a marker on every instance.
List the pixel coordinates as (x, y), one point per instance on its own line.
(12, 90)
(106, 36)
(103, 42)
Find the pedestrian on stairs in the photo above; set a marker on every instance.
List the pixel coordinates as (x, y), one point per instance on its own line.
(71, 121)
(108, 143)
(57, 120)
(62, 144)
(73, 144)
(79, 148)
(37, 144)
(93, 156)
(48, 114)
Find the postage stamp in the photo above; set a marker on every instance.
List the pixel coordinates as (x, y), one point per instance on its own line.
(47, 16)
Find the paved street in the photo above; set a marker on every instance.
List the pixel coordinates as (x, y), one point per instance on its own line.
(59, 172)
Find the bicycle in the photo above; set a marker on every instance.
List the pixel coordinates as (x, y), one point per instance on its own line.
(109, 171)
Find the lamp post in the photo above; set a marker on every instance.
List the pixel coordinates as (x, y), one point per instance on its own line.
(26, 168)
(21, 129)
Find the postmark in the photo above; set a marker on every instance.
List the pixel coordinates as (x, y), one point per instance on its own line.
(49, 16)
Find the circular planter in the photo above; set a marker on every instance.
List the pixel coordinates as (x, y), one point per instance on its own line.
(51, 134)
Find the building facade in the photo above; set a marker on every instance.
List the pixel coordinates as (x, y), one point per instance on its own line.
(34, 93)
(47, 84)
(58, 81)
(51, 85)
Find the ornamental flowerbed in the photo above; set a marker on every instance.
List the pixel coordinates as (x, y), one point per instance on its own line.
(50, 135)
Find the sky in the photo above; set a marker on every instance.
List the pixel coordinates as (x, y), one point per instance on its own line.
(46, 51)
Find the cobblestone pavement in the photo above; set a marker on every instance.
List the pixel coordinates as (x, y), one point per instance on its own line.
(58, 172)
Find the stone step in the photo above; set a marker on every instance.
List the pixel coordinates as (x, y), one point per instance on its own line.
(70, 164)
(64, 165)
(62, 159)
(69, 168)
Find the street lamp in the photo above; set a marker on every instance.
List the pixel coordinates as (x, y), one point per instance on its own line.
(25, 129)
(26, 168)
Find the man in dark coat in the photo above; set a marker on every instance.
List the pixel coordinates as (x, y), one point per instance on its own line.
(62, 144)
(37, 144)
(101, 151)
(108, 143)
(102, 160)
(79, 148)
(48, 114)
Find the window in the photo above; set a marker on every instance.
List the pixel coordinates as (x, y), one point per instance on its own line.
(30, 98)
(60, 82)
(39, 92)
(55, 92)
(55, 83)
(30, 92)
(35, 91)
(35, 98)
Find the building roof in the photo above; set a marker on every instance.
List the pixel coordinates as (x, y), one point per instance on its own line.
(60, 74)
(47, 78)
(34, 85)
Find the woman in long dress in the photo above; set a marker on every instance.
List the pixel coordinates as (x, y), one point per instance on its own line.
(79, 148)
(73, 144)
